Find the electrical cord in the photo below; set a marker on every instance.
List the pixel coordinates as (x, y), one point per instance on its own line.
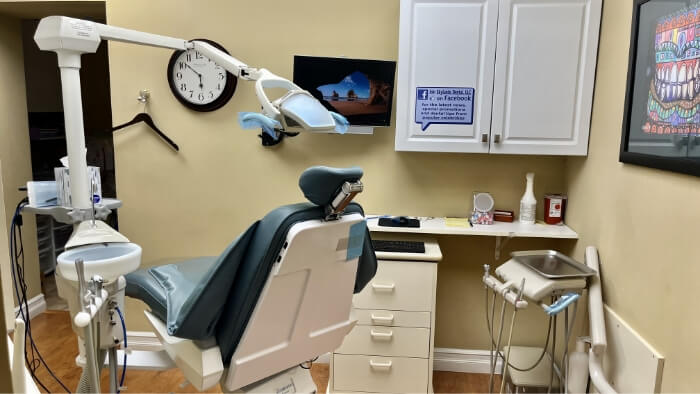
(20, 285)
(310, 363)
(17, 253)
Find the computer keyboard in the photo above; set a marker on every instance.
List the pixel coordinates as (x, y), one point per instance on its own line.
(381, 245)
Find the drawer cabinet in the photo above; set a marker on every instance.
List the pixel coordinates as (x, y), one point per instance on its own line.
(379, 317)
(380, 374)
(397, 286)
(387, 341)
(391, 347)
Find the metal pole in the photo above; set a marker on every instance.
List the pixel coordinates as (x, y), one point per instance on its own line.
(113, 383)
(90, 349)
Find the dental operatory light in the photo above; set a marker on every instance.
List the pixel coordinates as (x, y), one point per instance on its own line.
(294, 111)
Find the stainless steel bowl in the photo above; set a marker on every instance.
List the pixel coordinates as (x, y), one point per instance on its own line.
(552, 264)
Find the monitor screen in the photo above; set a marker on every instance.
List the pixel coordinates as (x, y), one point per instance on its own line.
(361, 90)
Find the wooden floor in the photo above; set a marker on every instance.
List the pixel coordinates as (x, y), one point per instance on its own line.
(58, 346)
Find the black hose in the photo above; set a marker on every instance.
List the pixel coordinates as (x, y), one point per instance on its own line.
(499, 353)
(20, 285)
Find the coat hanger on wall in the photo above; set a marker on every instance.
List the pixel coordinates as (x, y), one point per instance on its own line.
(146, 118)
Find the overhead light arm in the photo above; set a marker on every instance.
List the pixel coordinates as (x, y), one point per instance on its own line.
(70, 38)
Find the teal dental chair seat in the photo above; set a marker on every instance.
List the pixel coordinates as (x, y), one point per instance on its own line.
(212, 298)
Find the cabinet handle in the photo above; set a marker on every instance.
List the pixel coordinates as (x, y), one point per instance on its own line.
(382, 319)
(484, 137)
(379, 287)
(380, 366)
(384, 336)
(497, 138)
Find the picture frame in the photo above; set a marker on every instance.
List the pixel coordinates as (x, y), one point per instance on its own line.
(661, 120)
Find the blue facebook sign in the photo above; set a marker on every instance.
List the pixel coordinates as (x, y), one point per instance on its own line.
(442, 105)
(422, 94)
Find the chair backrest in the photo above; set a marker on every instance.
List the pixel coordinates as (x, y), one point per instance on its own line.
(291, 297)
(304, 307)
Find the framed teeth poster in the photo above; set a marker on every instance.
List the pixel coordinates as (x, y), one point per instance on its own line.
(661, 124)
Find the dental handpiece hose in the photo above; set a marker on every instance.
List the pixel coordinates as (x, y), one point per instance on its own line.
(498, 342)
(510, 335)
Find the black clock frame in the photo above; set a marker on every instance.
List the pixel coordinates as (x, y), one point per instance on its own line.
(228, 91)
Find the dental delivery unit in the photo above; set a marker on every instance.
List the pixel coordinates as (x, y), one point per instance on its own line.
(540, 276)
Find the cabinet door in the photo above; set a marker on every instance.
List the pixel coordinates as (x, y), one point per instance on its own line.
(446, 45)
(545, 70)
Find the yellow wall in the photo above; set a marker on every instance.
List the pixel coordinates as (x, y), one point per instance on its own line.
(197, 201)
(6, 317)
(14, 141)
(5, 269)
(644, 221)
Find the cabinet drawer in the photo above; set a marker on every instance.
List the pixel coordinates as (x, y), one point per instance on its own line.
(377, 317)
(387, 341)
(380, 374)
(406, 286)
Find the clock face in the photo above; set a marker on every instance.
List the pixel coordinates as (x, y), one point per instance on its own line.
(199, 83)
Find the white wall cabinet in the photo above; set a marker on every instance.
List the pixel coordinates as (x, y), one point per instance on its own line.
(531, 64)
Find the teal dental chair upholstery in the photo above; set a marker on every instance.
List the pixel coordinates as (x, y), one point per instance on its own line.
(214, 297)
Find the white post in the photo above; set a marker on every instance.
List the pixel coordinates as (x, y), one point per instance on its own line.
(69, 64)
(18, 368)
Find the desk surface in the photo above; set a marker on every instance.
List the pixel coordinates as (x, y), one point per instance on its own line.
(497, 229)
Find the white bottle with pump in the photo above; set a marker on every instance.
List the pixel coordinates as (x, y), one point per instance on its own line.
(528, 204)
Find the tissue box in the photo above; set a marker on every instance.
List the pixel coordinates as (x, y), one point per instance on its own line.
(63, 185)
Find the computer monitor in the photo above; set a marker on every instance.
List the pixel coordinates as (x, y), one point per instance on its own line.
(361, 90)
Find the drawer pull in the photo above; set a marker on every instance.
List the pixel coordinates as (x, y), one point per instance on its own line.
(380, 287)
(384, 336)
(383, 319)
(380, 366)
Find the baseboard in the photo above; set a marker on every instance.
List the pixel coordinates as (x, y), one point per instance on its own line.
(36, 306)
(463, 360)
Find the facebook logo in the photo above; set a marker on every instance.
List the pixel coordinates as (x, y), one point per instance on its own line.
(422, 94)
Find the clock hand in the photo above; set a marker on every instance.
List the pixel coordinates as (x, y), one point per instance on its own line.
(201, 85)
(193, 70)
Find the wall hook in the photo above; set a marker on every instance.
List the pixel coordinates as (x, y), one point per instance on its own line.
(144, 95)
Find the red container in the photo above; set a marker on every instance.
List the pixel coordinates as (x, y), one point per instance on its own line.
(554, 208)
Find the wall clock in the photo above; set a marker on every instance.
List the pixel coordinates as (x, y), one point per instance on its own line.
(199, 83)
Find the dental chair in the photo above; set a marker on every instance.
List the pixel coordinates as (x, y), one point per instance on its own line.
(278, 296)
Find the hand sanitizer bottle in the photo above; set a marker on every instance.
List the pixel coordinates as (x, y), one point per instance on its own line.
(528, 204)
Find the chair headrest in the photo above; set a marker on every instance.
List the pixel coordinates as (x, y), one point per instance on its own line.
(321, 184)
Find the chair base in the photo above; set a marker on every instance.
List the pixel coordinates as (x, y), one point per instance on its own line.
(293, 380)
(203, 368)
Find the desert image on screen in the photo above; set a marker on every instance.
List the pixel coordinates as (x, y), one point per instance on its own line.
(356, 94)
